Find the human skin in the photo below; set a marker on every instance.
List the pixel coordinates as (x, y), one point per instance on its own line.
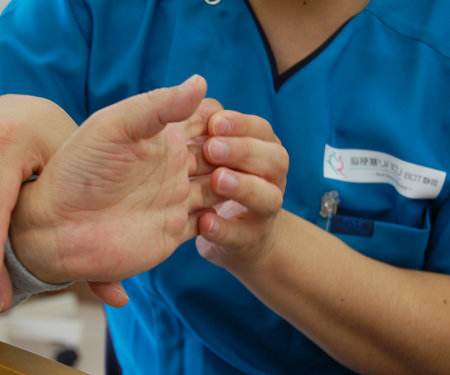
(31, 131)
(116, 188)
(296, 28)
(348, 304)
(371, 317)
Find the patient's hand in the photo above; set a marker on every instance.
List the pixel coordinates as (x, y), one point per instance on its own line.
(116, 199)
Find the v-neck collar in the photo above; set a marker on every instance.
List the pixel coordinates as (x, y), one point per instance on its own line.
(280, 79)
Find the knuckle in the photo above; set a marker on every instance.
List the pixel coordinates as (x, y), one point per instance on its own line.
(284, 160)
(250, 193)
(264, 128)
(147, 99)
(192, 164)
(280, 159)
(250, 121)
(268, 131)
(211, 102)
(277, 202)
(8, 132)
(150, 96)
(282, 185)
(180, 220)
(248, 150)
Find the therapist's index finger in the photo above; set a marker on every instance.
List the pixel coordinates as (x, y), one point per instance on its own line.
(232, 123)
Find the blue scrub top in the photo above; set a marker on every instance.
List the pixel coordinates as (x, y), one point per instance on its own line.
(380, 84)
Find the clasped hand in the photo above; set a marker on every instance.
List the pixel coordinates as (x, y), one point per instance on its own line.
(252, 178)
(124, 191)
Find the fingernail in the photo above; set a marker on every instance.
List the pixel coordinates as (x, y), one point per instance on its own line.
(189, 82)
(218, 150)
(227, 182)
(222, 126)
(214, 227)
(118, 287)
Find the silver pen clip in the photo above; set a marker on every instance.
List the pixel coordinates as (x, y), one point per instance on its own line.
(330, 205)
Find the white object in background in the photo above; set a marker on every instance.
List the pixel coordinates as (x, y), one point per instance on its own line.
(44, 319)
(3, 4)
(4, 332)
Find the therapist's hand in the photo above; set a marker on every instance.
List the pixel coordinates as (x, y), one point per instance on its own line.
(116, 199)
(31, 130)
(252, 177)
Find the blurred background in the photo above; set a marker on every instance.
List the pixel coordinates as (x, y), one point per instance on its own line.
(69, 325)
(3, 4)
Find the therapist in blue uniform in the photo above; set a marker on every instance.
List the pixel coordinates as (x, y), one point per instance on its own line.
(357, 92)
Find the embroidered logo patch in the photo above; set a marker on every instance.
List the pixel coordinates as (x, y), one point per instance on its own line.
(364, 166)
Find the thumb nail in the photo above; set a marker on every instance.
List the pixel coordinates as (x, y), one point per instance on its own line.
(189, 82)
(119, 288)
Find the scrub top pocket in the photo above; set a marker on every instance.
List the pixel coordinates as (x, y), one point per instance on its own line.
(391, 243)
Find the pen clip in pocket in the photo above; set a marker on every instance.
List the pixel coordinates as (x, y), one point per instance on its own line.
(329, 206)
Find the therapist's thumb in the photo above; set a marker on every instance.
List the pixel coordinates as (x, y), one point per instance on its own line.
(145, 115)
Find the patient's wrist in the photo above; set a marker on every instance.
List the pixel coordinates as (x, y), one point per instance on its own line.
(25, 284)
(33, 234)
